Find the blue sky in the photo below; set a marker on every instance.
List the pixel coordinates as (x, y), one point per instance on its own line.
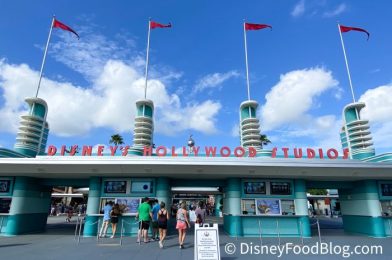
(197, 69)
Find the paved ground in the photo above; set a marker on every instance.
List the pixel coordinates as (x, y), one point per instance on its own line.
(58, 243)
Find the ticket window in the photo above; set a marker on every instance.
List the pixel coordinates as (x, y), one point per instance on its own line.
(288, 207)
(248, 207)
(5, 205)
(386, 208)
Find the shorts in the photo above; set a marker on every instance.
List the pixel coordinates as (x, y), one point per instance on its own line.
(162, 225)
(155, 224)
(181, 225)
(114, 220)
(144, 225)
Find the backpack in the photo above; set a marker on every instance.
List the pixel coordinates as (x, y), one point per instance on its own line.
(162, 218)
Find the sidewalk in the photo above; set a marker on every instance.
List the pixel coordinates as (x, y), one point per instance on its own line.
(58, 243)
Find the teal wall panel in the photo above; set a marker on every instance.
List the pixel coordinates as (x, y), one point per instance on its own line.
(371, 226)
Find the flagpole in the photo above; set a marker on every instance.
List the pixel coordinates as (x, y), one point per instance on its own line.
(246, 62)
(345, 59)
(148, 50)
(46, 51)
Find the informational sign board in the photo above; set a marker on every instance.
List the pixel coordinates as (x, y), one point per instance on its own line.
(207, 242)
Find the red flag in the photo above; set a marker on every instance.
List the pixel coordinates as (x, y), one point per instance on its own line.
(344, 29)
(254, 26)
(154, 25)
(57, 24)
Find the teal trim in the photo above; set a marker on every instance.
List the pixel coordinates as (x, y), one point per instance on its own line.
(301, 199)
(94, 194)
(4, 222)
(38, 110)
(197, 183)
(26, 223)
(91, 226)
(251, 226)
(245, 113)
(252, 112)
(7, 153)
(371, 226)
(232, 225)
(163, 190)
(66, 182)
(140, 111)
(232, 200)
(388, 226)
(350, 115)
(218, 199)
(147, 111)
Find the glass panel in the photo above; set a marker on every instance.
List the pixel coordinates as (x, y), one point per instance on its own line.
(254, 187)
(280, 188)
(288, 207)
(248, 207)
(386, 208)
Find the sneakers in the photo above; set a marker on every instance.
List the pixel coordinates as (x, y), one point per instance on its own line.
(182, 247)
(160, 244)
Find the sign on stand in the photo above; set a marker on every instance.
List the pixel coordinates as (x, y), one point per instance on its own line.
(207, 242)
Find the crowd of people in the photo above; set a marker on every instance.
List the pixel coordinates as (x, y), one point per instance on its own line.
(60, 209)
(155, 215)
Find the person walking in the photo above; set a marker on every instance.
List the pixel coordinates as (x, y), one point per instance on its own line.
(144, 215)
(106, 218)
(155, 208)
(182, 224)
(114, 214)
(163, 216)
(200, 213)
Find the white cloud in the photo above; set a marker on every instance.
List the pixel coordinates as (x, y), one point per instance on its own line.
(290, 99)
(235, 131)
(338, 10)
(299, 9)
(378, 111)
(214, 80)
(109, 99)
(197, 116)
(378, 104)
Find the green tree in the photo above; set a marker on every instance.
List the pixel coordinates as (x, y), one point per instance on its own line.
(317, 191)
(264, 140)
(116, 139)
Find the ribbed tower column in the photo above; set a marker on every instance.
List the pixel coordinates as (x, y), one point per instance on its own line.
(144, 126)
(33, 131)
(250, 127)
(355, 134)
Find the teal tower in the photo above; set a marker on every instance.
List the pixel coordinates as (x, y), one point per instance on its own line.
(355, 134)
(144, 126)
(33, 131)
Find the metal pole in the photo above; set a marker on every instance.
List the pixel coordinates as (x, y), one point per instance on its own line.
(318, 228)
(43, 60)
(80, 230)
(76, 228)
(121, 233)
(246, 62)
(277, 229)
(301, 232)
(261, 239)
(98, 231)
(1, 224)
(148, 50)
(345, 59)
(236, 231)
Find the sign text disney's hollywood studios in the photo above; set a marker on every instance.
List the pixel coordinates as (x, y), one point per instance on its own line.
(206, 151)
